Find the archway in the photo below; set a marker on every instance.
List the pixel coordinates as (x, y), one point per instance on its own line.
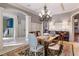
(20, 24)
(75, 26)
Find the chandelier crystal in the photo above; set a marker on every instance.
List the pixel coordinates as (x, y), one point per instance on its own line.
(45, 14)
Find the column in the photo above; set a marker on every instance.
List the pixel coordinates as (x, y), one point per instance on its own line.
(28, 18)
(1, 28)
(42, 29)
(15, 28)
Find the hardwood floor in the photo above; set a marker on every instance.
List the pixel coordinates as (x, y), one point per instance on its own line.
(76, 37)
(70, 49)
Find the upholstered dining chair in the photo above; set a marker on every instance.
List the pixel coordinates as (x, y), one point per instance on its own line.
(55, 48)
(33, 44)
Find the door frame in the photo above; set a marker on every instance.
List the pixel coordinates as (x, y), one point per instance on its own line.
(72, 23)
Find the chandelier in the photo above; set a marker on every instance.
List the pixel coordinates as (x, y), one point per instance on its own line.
(45, 14)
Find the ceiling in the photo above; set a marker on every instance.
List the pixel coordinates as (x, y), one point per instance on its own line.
(55, 8)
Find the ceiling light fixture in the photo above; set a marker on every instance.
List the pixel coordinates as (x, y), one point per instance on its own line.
(45, 14)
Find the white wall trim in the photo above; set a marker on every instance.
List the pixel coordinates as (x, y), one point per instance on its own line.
(27, 26)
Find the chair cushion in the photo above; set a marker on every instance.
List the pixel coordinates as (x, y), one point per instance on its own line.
(52, 44)
(54, 47)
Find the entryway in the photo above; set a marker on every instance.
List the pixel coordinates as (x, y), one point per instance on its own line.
(76, 27)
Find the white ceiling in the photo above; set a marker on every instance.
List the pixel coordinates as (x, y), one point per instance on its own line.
(55, 8)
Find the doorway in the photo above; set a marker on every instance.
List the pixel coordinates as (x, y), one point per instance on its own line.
(76, 27)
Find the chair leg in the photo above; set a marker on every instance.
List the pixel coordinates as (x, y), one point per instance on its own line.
(43, 53)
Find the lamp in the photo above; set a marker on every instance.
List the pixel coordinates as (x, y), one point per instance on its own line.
(45, 14)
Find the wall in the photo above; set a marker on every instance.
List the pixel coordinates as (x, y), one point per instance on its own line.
(35, 27)
(35, 19)
(34, 23)
(21, 25)
(62, 22)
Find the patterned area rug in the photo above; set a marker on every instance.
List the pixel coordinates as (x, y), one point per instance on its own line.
(26, 53)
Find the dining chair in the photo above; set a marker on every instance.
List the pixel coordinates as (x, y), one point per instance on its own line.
(55, 48)
(33, 44)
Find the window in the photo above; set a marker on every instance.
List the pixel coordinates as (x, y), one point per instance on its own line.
(8, 27)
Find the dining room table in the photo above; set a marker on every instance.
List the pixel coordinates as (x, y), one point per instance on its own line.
(46, 40)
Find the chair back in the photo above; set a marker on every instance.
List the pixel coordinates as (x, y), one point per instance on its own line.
(32, 41)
